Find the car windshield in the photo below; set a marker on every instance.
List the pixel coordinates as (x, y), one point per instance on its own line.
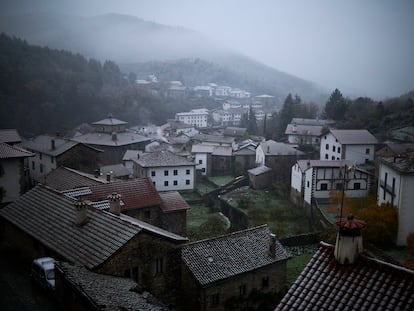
(50, 274)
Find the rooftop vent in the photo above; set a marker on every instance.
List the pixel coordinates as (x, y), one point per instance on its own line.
(115, 203)
(81, 207)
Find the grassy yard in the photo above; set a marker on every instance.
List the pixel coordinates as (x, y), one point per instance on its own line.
(220, 180)
(204, 187)
(263, 207)
(197, 215)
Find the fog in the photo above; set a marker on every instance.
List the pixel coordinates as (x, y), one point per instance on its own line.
(364, 48)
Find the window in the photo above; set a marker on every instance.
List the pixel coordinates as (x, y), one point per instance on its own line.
(326, 156)
(175, 172)
(40, 156)
(327, 146)
(357, 186)
(203, 169)
(154, 183)
(242, 290)
(187, 181)
(307, 184)
(153, 173)
(339, 149)
(33, 165)
(41, 168)
(333, 157)
(333, 148)
(200, 161)
(166, 183)
(166, 173)
(265, 281)
(159, 265)
(187, 172)
(324, 187)
(367, 151)
(175, 182)
(215, 299)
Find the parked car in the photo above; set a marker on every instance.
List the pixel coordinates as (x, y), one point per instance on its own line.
(43, 272)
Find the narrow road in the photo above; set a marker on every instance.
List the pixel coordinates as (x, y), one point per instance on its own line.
(17, 291)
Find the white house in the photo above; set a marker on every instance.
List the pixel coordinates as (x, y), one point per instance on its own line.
(315, 179)
(357, 146)
(168, 171)
(196, 117)
(211, 159)
(303, 134)
(222, 91)
(396, 186)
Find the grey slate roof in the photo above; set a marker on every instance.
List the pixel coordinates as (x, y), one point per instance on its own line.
(227, 256)
(64, 178)
(271, 147)
(305, 164)
(106, 139)
(10, 136)
(259, 170)
(8, 151)
(116, 170)
(354, 137)
(108, 292)
(50, 218)
(213, 138)
(305, 130)
(109, 121)
(162, 158)
(403, 165)
(321, 122)
(368, 284)
(235, 131)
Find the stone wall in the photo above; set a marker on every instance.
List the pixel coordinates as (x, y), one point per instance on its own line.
(175, 222)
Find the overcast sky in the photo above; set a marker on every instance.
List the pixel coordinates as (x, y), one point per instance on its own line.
(364, 48)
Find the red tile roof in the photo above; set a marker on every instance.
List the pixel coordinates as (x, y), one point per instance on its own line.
(368, 284)
(172, 201)
(136, 193)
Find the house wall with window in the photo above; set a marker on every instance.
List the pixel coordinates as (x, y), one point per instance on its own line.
(268, 279)
(168, 178)
(12, 180)
(395, 186)
(152, 262)
(201, 162)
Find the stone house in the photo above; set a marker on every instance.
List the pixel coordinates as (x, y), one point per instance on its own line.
(357, 146)
(233, 266)
(112, 137)
(168, 171)
(52, 152)
(245, 156)
(395, 186)
(260, 177)
(45, 223)
(212, 160)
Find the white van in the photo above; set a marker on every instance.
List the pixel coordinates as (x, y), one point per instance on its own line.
(43, 272)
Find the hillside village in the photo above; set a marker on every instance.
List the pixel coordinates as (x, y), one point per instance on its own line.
(111, 203)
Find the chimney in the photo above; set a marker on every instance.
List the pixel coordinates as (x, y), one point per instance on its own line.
(272, 245)
(81, 207)
(108, 177)
(115, 203)
(97, 173)
(53, 145)
(348, 240)
(268, 149)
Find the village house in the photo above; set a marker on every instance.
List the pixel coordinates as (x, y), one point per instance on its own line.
(177, 91)
(52, 152)
(77, 288)
(168, 171)
(232, 266)
(45, 223)
(316, 179)
(260, 177)
(354, 145)
(203, 91)
(13, 179)
(395, 186)
(244, 156)
(212, 160)
(128, 159)
(222, 91)
(117, 171)
(112, 137)
(342, 277)
(196, 117)
(303, 134)
(239, 133)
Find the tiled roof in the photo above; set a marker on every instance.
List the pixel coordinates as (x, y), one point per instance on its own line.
(235, 131)
(172, 201)
(136, 193)
(131, 154)
(354, 137)
(8, 151)
(200, 148)
(220, 258)
(312, 121)
(400, 148)
(214, 138)
(246, 151)
(303, 164)
(306, 130)
(223, 151)
(116, 170)
(50, 218)
(404, 165)
(10, 136)
(109, 121)
(106, 139)
(64, 178)
(43, 144)
(368, 284)
(162, 158)
(271, 147)
(259, 170)
(108, 292)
